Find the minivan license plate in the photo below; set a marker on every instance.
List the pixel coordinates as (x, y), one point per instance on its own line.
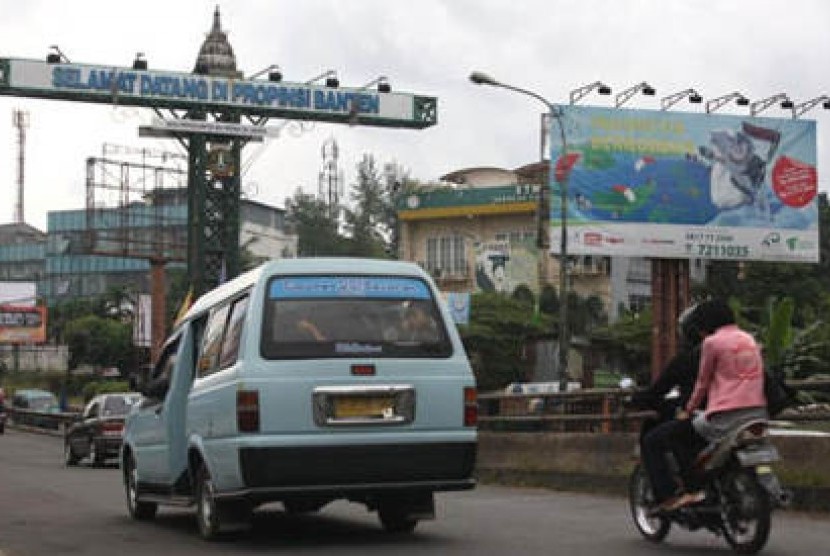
(364, 407)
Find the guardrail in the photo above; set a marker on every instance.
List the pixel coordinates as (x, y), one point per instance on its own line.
(50, 421)
(596, 410)
(590, 410)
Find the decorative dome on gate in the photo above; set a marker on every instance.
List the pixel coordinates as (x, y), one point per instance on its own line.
(216, 55)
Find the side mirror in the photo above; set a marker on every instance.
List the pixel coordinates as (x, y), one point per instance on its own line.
(157, 389)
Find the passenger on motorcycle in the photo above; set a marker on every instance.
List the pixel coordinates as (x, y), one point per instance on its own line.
(731, 381)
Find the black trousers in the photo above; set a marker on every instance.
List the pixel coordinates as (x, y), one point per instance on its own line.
(677, 437)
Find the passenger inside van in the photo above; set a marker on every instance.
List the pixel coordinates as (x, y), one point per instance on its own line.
(310, 330)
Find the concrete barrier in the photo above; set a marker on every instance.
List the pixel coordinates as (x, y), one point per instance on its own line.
(601, 463)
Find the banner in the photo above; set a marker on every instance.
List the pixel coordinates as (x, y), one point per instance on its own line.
(22, 324)
(680, 185)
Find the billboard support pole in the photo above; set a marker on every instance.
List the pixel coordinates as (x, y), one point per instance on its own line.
(670, 296)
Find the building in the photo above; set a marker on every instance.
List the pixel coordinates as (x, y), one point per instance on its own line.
(478, 232)
(64, 265)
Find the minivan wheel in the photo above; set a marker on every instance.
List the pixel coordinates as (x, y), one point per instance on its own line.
(138, 510)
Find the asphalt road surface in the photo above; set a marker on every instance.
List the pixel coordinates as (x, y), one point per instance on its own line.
(47, 509)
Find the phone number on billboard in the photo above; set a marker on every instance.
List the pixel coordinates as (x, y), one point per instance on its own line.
(720, 251)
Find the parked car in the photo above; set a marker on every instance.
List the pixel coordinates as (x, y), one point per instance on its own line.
(2, 415)
(39, 402)
(97, 434)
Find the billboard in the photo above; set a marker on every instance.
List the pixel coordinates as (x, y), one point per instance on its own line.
(681, 185)
(20, 324)
(18, 293)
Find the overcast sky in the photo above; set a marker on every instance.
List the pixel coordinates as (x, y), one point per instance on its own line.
(757, 47)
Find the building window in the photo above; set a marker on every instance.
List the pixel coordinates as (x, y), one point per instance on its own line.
(446, 255)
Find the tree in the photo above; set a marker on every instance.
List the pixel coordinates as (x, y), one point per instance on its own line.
(100, 342)
(316, 226)
(496, 338)
(366, 223)
(628, 342)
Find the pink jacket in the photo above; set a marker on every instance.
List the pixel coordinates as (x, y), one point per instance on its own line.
(731, 374)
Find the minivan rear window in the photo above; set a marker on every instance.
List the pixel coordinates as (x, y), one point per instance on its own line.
(352, 316)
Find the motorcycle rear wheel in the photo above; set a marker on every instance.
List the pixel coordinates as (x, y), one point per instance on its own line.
(745, 512)
(641, 502)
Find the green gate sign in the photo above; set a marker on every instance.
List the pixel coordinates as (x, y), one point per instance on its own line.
(180, 90)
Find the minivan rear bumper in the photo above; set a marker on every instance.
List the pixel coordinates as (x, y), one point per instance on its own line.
(269, 472)
(356, 464)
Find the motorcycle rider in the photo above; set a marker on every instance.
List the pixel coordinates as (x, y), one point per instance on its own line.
(679, 374)
(731, 381)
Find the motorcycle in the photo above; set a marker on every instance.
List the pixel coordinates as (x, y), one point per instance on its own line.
(741, 491)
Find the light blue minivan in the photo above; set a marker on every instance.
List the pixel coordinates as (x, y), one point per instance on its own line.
(306, 381)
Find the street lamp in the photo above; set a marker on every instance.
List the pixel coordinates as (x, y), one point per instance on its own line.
(624, 96)
(670, 100)
(716, 103)
(555, 112)
(760, 105)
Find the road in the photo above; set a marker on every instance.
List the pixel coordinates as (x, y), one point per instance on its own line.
(47, 509)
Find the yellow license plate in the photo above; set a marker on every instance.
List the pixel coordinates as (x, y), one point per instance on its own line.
(366, 407)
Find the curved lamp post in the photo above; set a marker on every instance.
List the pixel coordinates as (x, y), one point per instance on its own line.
(480, 78)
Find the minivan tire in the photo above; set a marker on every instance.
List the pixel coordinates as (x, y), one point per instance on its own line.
(138, 510)
(207, 510)
(395, 518)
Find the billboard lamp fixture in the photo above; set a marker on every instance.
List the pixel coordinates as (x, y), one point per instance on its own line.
(599, 86)
(274, 73)
(760, 105)
(140, 62)
(803, 107)
(714, 104)
(669, 101)
(382, 83)
(56, 56)
(626, 95)
(329, 75)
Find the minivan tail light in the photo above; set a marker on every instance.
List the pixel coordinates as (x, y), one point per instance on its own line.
(470, 407)
(247, 410)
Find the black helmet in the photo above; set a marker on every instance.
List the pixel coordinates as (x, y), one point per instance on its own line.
(689, 325)
(715, 313)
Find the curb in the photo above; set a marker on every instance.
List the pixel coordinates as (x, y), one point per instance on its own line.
(810, 499)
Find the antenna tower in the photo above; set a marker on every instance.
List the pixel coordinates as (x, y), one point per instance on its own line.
(20, 120)
(330, 183)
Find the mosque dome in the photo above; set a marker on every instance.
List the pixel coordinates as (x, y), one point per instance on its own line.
(216, 55)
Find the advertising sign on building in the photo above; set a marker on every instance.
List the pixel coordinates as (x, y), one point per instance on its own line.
(680, 185)
(20, 324)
